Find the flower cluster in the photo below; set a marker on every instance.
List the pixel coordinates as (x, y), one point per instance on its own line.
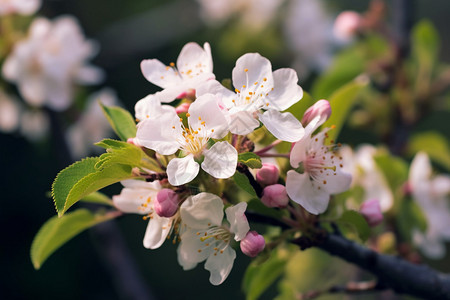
(208, 131)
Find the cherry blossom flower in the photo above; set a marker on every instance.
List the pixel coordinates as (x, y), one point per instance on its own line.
(48, 63)
(138, 197)
(206, 238)
(260, 95)
(150, 107)
(194, 67)
(34, 124)
(432, 195)
(365, 173)
(166, 134)
(22, 7)
(322, 176)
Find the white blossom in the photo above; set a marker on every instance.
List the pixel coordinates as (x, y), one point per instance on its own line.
(47, 64)
(194, 67)
(432, 194)
(22, 7)
(260, 95)
(207, 238)
(138, 197)
(166, 134)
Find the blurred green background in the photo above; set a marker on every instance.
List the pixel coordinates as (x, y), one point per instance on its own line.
(129, 31)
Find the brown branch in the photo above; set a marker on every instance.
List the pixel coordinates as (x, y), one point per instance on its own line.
(392, 272)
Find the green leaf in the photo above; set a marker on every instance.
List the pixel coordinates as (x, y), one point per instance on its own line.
(425, 44)
(242, 181)
(250, 159)
(121, 121)
(68, 177)
(57, 231)
(255, 205)
(98, 198)
(434, 144)
(342, 101)
(96, 181)
(259, 277)
(355, 222)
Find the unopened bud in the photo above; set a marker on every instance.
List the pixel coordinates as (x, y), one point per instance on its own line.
(252, 244)
(321, 108)
(346, 25)
(275, 196)
(190, 94)
(371, 211)
(182, 108)
(166, 203)
(268, 174)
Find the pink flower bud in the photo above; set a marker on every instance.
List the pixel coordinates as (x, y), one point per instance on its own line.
(346, 25)
(275, 196)
(321, 108)
(166, 203)
(131, 141)
(268, 174)
(371, 211)
(252, 244)
(190, 94)
(182, 108)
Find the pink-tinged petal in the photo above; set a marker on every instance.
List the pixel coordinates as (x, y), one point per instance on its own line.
(171, 93)
(242, 122)
(141, 184)
(202, 211)
(157, 230)
(216, 88)
(150, 107)
(182, 170)
(89, 75)
(27, 7)
(220, 265)
(206, 114)
(33, 90)
(302, 190)
(59, 95)
(316, 115)
(11, 68)
(284, 126)
(160, 134)
(238, 221)
(159, 74)
(136, 197)
(251, 68)
(220, 160)
(286, 91)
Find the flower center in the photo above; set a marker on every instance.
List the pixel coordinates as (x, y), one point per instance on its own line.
(252, 93)
(193, 140)
(215, 237)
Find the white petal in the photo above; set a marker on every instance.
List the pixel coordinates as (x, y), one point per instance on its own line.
(220, 265)
(32, 89)
(159, 74)
(27, 7)
(242, 122)
(141, 184)
(90, 75)
(300, 189)
(193, 57)
(134, 195)
(216, 88)
(206, 114)
(150, 107)
(238, 221)
(188, 251)
(283, 126)
(60, 95)
(182, 170)
(299, 151)
(338, 183)
(202, 211)
(251, 68)
(220, 160)
(160, 134)
(157, 230)
(286, 91)
(420, 169)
